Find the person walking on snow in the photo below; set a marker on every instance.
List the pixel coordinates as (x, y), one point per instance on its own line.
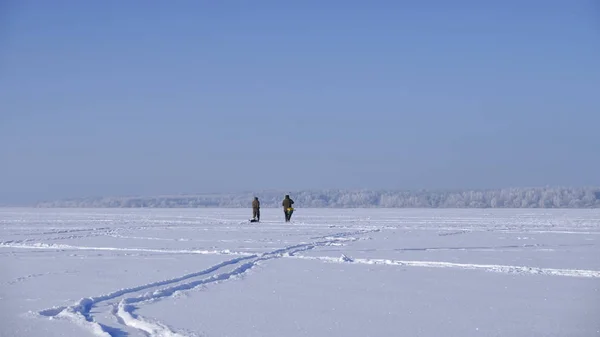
(287, 207)
(256, 209)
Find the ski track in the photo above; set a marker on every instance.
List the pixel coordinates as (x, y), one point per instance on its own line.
(9, 244)
(57, 238)
(80, 313)
(454, 233)
(33, 276)
(481, 228)
(128, 237)
(507, 269)
(346, 234)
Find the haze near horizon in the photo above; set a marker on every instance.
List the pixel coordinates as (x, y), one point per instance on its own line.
(138, 98)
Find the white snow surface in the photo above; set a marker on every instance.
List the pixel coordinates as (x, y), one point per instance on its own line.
(330, 272)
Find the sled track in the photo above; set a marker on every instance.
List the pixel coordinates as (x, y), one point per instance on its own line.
(47, 246)
(507, 269)
(125, 301)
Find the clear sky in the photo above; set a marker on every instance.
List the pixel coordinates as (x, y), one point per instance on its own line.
(154, 97)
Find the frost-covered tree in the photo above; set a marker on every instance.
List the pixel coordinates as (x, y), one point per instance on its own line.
(547, 197)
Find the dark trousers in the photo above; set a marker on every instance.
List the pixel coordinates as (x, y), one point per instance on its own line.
(288, 215)
(256, 213)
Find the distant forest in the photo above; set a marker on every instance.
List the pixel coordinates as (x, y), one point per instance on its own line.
(549, 197)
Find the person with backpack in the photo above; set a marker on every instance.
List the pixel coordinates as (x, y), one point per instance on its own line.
(256, 209)
(287, 207)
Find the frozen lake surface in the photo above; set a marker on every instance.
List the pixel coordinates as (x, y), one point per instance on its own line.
(330, 272)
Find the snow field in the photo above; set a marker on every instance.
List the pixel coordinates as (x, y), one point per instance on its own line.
(331, 272)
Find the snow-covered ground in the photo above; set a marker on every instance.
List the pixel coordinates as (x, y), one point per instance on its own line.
(331, 272)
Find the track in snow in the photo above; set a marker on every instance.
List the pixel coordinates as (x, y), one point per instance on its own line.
(46, 246)
(126, 300)
(438, 264)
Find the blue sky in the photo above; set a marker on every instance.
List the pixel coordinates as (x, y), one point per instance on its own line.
(149, 97)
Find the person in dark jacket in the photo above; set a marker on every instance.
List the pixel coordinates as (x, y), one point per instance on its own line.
(256, 209)
(287, 207)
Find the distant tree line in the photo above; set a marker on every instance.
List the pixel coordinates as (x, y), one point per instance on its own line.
(548, 197)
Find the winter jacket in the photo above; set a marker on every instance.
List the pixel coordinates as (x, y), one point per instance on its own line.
(287, 202)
